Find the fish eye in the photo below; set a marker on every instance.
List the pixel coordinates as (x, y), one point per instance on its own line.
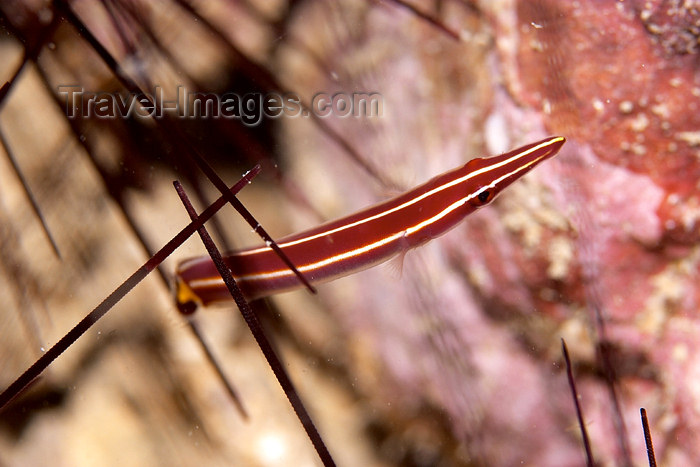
(484, 196)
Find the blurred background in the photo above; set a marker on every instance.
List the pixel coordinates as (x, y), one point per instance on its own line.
(450, 355)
